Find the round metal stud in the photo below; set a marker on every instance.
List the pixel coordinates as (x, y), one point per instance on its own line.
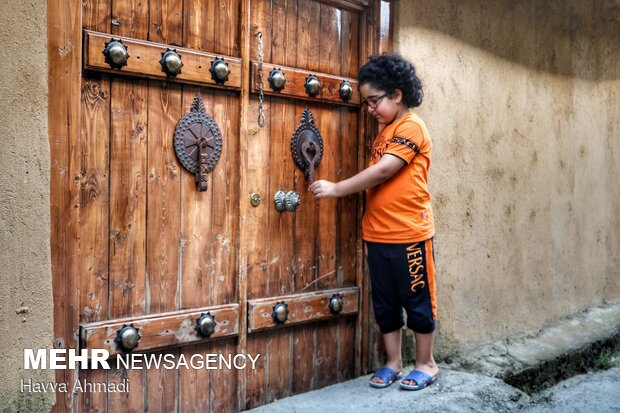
(171, 62)
(276, 79)
(127, 337)
(280, 312)
(335, 303)
(255, 199)
(205, 325)
(219, 70)
(115, 53)
(292, 201)
(346, 90)
(313, 85)
(279, 201)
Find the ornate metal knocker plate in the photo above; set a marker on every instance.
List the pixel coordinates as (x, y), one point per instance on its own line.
(198, 142)
(307, 145)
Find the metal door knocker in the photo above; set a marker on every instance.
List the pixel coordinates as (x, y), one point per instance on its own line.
(198, 142)
(307, 145)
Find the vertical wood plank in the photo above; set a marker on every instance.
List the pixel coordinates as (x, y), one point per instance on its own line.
(223, 181)
(244, 191)
(199, 25)
(94, 210)
(96, 15)
(329, 231)
(348, 206)
(259, 259)
(64, 49)
(163, 198)
(94, 200)
(224, 381)
(346, 349)
(93, 401)
(197, 266)
(162, 386)
(315, 34)
(166, 21)
(130, 18)
(224, 184)
(195, 394)
(260, 16)
(128, 197)
(306, 223)
(132, 401)
(226, 22)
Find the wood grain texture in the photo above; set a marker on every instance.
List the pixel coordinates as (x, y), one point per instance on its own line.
(64, 45)
(305, 225)
(295, 85)
(132, 401)
(144, 58)
(209, 26)
(163, 199)
(172, 247)
(161, 329)
(244, 204)
(94, 200)
(305, 307)
(128, 160)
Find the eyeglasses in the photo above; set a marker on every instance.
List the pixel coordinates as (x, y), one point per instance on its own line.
(374, 102)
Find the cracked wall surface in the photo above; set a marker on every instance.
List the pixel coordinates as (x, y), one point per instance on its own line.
(522, 100)
(26, 310)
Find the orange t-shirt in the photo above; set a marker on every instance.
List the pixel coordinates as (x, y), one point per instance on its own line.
(399, 210)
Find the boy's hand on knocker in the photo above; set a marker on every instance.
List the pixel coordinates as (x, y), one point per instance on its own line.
(323, 189)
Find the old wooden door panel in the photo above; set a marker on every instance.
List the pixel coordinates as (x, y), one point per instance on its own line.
(315, 248)
(150, 242)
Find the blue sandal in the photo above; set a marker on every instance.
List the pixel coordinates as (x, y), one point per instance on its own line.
(386, 374)
(422, 379)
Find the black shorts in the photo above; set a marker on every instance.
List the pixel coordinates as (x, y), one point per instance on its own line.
(403, 276)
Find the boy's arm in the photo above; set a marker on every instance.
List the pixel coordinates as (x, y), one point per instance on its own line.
(380, 172)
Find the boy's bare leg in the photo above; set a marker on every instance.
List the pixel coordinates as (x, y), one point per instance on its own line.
(424, 360)
(392, 342)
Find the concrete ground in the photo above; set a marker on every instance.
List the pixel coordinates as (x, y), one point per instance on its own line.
(473, 381)
(460, 392)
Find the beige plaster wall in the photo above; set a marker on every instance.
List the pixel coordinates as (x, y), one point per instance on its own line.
(522, 100)
(26, 307)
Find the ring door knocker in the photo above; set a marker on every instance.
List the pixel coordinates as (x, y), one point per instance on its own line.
(307, 145)
(198, 142)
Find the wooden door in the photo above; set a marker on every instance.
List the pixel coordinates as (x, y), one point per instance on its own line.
(136, 243)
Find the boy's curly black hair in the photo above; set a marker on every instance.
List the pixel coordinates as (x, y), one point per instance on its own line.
(391, 72)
